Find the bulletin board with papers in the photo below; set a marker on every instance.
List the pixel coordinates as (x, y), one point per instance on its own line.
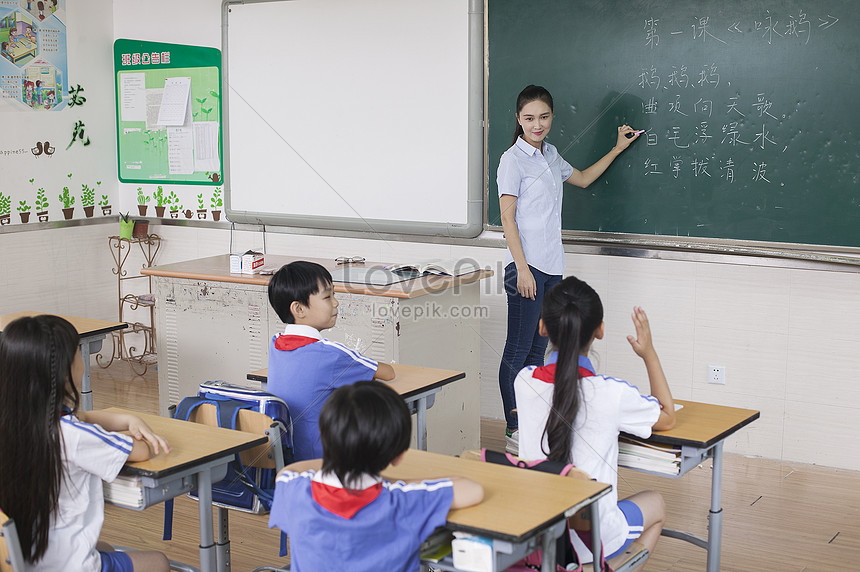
(168, 106)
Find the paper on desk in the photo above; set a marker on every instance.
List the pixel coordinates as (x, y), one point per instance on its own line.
(175, 101)
(132, 97)
(206, 146)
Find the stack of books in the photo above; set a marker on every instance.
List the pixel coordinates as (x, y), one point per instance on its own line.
(125, 490)
(636, 454)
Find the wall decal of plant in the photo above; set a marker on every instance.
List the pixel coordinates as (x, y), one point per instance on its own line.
(160, 201)
(42, 200)
(5, 208)
(141, 201)
(175, 207)
(104, 203)
(24, 210)
(216, 203)
(88, 199)
(201, 206)
(67, 198)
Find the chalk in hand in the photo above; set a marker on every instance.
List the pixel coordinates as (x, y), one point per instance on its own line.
(630, 134)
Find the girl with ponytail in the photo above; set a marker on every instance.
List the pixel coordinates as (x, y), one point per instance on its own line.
(53, 457)
(570, 414)
(530, 178)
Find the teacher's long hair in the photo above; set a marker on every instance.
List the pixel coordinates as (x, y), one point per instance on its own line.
(36, 356)
(572, 313)
(529, 94)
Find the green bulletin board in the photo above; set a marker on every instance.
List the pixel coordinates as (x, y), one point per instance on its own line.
(151, 153)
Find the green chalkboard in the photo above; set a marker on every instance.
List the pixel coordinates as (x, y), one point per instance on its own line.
(151, 153)
(750, 106)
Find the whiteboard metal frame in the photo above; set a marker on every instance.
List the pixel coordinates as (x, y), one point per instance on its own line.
(476, 191)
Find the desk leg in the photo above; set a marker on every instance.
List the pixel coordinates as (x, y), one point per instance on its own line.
(223, 544)
(86, 382)
(715, 517)
(596, 544)
(208, 560)
(548, 561)
(421, 424)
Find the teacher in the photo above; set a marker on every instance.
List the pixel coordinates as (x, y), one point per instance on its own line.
(530, 177)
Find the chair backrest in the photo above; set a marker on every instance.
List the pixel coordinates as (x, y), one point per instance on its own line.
(11, 555)
(260, 456)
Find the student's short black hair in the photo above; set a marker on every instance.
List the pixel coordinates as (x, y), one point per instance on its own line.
(363, 427)
(296, 282)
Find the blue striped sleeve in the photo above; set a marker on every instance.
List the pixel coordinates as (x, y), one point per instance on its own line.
(118, 441)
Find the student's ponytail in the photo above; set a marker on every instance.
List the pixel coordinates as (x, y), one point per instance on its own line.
(571, 312)
(526, 96)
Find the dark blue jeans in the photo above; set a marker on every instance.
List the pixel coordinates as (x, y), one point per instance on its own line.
(523, 345)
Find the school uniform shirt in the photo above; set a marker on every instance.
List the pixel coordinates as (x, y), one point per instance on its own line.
(90, 455)
(536, 179)
(304, 369)
(607, 407)
(378, 526)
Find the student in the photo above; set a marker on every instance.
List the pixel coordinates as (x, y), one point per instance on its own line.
(346, 517)
(304, 368)
(53, 458)
(530, 177)
(589, 411)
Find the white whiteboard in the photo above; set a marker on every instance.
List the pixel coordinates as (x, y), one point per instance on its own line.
(354, 115)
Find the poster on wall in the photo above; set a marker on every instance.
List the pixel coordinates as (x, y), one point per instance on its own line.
(33, 55)
(168, 106)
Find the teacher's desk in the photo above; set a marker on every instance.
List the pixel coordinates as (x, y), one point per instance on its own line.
(214, 325)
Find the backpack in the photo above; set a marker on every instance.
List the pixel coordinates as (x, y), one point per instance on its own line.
(244, 488)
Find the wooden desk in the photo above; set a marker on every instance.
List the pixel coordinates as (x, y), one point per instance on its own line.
(700, 431)
(522, 510)
(417, 385)
(199, 455)
(214, 325)
(92, 334)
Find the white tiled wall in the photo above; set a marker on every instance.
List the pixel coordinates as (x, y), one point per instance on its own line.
(786, 337)
(63, 270)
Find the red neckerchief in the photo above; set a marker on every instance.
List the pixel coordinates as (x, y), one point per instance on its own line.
(343, 502)
(546, 373)
(290, 342)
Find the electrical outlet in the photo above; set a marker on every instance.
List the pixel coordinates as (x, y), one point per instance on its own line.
(717, 374)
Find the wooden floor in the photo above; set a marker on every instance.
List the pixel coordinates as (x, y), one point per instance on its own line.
(777, 515)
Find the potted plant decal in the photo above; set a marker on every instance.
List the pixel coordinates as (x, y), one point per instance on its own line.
(160, 201)
(141, 202)
(126, 225)
(216, 204)
(42, 205)
(24, 211)
(201, 206)
(68, 200)
(5, 209)
(105, 205)
(175, 207)
(88, 200)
